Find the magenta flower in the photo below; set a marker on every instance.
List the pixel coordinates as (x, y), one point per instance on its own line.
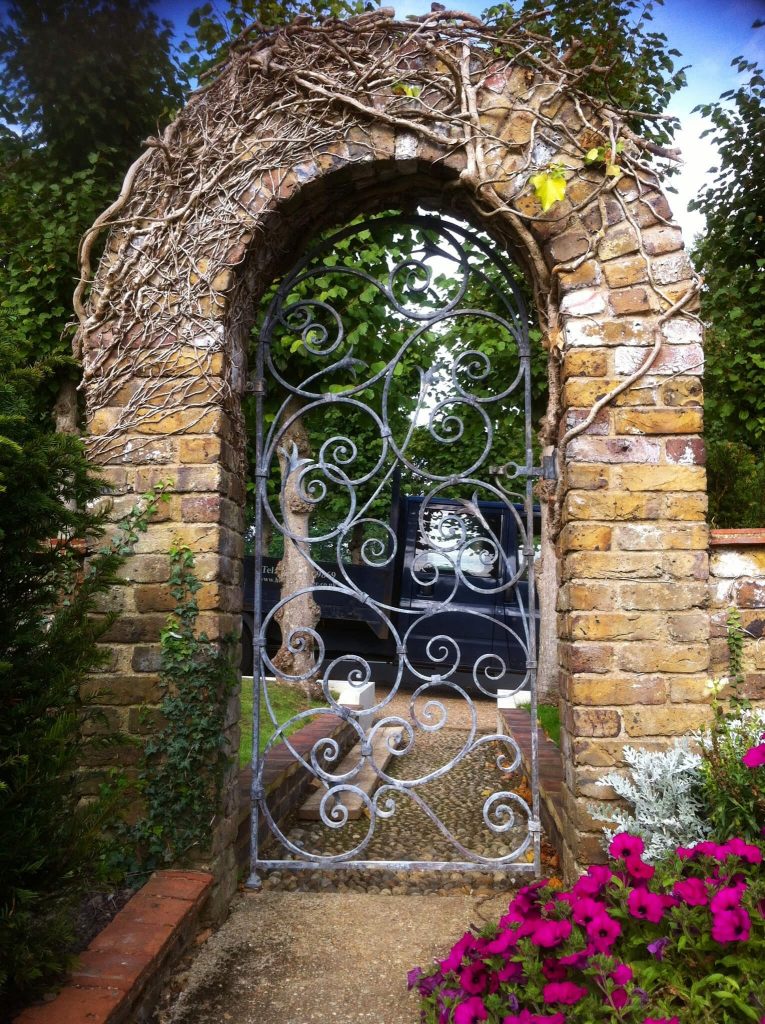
(586, 910)
(457, 954)
(755, 756)
(565, 992)
(692, 892)
(661, 1020)
(474, 979)
(603, 933)
(551, 933)
(625, 845)
(639, 869)
(526, 1017)
(577, 959)
(645, 905)
(504, 941)
(731, 926)
(512, 971)
(470, 1011)
(591, 884)
(618, 998)
(727, 899)
(553, 970)
(622, 973)
(746, 851)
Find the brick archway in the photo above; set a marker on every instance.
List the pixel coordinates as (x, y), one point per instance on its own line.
(214, 210)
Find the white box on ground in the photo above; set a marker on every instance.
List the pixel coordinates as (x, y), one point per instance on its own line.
(358, 698)
(513, 698)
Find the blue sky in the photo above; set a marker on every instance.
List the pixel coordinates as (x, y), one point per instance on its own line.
(709, 34)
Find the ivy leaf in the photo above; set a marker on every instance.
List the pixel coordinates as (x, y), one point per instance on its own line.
(549, 188)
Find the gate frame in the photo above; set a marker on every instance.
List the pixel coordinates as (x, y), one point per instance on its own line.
(163, 337)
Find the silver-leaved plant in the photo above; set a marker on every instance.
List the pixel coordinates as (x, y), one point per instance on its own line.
(664, 789)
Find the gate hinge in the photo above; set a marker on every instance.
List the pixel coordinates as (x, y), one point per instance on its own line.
(550, 466)
(255, 386)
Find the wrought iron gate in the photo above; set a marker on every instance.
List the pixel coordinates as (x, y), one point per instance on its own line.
(394, 360)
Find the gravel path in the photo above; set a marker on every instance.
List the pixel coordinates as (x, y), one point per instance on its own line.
(308, 958)
(457, 797)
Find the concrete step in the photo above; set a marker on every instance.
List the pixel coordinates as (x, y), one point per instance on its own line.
(367, 779)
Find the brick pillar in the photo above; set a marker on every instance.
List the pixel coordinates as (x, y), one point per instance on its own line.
(634, 624)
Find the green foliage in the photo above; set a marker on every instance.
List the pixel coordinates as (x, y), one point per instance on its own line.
(49, 844)
(624, 61)
(736, 480)
(85, 76)
(731, 256)
(182, 766)
(217, 29)
(286, 701)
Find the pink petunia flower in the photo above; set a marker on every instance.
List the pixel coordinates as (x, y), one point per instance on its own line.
(457, 953)
(731, 926)
(511, 971)
(504, 941)
(551, 933)
(728, 898)
(474, 979)
(621, 974)
(603, 933)
(586, 910)
(565, 992)
(553, 970)
(692, 892)
(746, 851)
(755, 756)
(625, 845)
(618, 998)
(639, 869)
(470, 1011)
(645, 905)
(526, 1017)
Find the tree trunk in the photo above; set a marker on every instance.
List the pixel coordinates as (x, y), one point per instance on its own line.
(294, 571)
(547, 594)
(65, 413)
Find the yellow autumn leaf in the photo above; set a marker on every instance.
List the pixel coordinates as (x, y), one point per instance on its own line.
(549, 188)
(612, 171)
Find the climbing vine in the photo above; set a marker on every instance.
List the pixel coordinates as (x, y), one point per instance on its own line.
(183, 763)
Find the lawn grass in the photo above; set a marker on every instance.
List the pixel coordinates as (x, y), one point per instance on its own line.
(549, 718)
(286, 701)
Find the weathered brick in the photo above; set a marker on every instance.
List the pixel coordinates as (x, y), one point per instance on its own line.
(648, 537)
(591, 596)
(585, 657)
(663, 657)
(583, 302)
(145, 720)
(672, 720)
(584, 393)
(682, 391)
(569, 246)
(637, 299)
(667, 596)
(674, 267)
(662, 239)
(614, 450)
(587, 478)
(586, 275)
(131, 629)
(198, 450)
(595, 722)
(658, 421)
(585, 537)
(692, 507)
(686, 451)
(618, 241)
(600, 426)
(627, 271)
(625, 689)
(660, 478)
(599, 625)
(689, 688)
(147, 658)
(672, 359)
(587, 362)
(118, 690)
(750, 593)
(690, 626)
(612, 505)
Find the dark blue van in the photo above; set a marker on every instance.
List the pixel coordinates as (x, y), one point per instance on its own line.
(481, 612)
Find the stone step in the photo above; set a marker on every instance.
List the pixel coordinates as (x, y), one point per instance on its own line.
(367, 779)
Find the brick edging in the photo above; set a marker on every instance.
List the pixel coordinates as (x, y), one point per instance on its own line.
(734, 538)
(118, 976)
